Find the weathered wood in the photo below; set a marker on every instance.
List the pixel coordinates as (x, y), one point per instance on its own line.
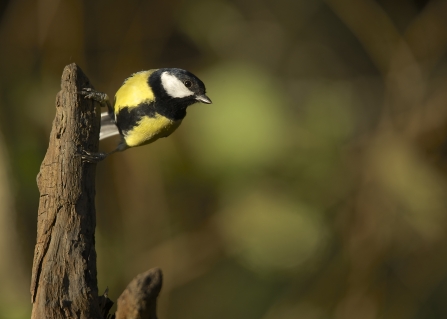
(64, 283)
(138, 301)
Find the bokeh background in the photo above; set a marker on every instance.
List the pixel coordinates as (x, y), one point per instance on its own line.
(313, 187)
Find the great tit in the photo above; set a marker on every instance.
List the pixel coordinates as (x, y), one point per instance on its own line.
(148, 105)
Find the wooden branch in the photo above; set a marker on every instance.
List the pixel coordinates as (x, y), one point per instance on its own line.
(138, 301)
(64, 283)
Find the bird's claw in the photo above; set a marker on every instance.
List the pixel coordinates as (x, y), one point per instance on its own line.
(92, 94)
(91, 157)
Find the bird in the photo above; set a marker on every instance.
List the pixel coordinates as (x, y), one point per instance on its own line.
(149, 105)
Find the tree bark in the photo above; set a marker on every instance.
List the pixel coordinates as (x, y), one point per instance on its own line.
(64, 283)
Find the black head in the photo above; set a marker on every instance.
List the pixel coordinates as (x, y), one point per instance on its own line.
(178, 85)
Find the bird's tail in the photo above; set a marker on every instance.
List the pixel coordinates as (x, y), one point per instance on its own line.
(108, 126)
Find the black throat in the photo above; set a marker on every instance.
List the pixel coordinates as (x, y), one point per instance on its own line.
(173, 109)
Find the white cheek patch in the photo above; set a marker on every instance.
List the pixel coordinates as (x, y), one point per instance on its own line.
(174, 87)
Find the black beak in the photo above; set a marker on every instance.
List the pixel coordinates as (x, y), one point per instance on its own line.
(203, 98)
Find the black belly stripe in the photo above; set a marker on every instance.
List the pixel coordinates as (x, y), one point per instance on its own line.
(127, 118)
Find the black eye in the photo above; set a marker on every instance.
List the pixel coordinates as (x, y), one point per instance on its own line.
(188, 84)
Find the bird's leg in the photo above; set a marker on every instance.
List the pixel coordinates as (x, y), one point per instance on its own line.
(91, 157)
(92, 94)
(103, 99)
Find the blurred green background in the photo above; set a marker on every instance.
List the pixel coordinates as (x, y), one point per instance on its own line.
(313, 187)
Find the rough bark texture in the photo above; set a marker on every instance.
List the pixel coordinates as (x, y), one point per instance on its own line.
(64, 281)
(138, 301)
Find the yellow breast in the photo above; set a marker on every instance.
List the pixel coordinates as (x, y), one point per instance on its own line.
(135, 90)
(149, 129)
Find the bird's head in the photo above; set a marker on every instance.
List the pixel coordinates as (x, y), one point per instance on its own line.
(178, 86)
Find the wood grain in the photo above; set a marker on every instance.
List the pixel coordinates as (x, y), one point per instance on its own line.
(64, 283)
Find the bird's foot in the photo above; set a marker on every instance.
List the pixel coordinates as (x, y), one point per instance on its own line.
(92, 94)
(91, 157)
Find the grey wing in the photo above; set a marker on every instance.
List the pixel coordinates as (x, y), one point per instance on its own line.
(108, 126)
